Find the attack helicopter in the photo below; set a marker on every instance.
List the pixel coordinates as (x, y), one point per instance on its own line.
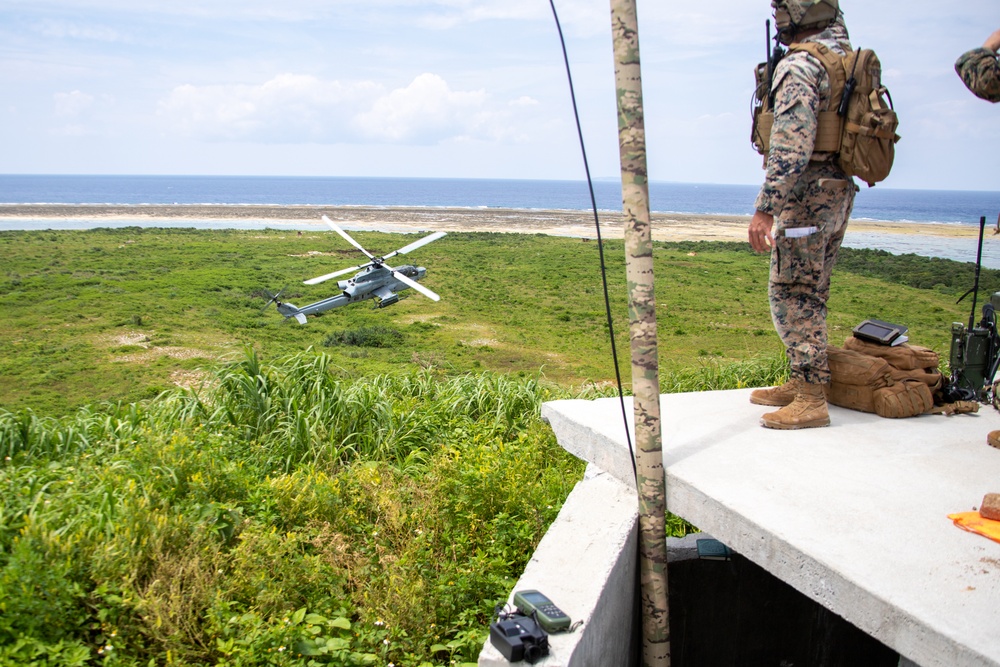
(374, 280)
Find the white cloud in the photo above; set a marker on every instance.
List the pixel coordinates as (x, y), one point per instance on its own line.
(582, 17)
(72, 104)
(81, 31)
(426, 112)
(80, 114)
(289, 108)
(524, 101)
(496, 104)
(72, 130)
(295, 108)
(447, 14)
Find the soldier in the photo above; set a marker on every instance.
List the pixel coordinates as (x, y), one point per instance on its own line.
(801, 213)
(980, 71)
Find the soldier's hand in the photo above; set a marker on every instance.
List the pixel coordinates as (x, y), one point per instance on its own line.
(761, 238)
(993, 42)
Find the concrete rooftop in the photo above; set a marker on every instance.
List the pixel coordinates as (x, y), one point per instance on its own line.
(854, 515)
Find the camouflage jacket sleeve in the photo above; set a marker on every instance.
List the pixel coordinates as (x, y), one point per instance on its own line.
(799, 84)
(980, 72)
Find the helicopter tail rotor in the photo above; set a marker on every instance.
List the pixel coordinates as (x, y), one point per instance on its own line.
(284, 307)
(272, 298)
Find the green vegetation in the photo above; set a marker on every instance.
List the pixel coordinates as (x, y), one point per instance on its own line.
(280, 513)
(186, 480)
(377, 336)
(942, 275)
(124, 314)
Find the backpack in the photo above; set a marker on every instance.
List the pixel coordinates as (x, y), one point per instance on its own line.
(892, 382)
(861, 128)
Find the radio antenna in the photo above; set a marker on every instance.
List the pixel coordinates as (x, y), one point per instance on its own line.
(979, 266)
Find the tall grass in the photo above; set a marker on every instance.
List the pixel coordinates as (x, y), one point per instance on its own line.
(190, 528)
(302, 412)
(281, 514)
(712, 375)
(293, 412)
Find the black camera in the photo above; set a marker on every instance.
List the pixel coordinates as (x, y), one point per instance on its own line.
(519, 638)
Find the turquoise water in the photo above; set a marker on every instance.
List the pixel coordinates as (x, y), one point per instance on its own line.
(930, 206)
(921, 206)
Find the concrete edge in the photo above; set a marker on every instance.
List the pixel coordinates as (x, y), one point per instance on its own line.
(587, 444)
(586, 565)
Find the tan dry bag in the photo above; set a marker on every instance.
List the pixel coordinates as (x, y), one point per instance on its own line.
(870, 383)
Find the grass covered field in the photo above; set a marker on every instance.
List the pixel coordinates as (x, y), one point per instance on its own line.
(186, 480)
(124, 314)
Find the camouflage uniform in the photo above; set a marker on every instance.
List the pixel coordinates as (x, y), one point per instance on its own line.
(811, 200)
(980, 72)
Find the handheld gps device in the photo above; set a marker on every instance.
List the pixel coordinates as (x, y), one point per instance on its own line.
(549, 616)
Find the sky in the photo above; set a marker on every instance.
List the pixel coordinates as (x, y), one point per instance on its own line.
(447, 88)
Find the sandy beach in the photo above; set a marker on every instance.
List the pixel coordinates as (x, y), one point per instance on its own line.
(666, 227)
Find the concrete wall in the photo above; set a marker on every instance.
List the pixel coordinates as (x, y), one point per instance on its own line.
(586, 565)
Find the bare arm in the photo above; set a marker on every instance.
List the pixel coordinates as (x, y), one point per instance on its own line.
(993, 42)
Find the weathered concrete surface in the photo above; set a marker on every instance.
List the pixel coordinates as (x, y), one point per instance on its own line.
(586, 564)
(853, 516)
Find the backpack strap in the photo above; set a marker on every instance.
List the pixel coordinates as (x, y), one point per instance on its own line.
(956, 408)
(879, 131)
(831, 124)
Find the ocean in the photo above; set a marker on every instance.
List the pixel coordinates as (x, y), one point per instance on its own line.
(930, 206)
(945, 207)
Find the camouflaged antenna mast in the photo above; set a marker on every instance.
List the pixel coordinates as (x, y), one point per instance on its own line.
(650, 480)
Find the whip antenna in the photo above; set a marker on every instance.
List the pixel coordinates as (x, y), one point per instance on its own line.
(600, 241)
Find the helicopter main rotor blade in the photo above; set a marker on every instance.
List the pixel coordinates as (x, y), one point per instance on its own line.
(316, 281)
(416, 244)
(347, 237)
(415, 285)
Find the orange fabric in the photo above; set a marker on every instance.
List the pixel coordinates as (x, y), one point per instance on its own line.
(974, 523)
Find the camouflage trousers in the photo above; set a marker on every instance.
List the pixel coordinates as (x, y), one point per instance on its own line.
(807, 237)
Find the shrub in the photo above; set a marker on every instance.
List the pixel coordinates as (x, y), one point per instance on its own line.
(373, 336)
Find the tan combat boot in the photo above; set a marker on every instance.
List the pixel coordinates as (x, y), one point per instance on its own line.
(778, 396)
(808, 410)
